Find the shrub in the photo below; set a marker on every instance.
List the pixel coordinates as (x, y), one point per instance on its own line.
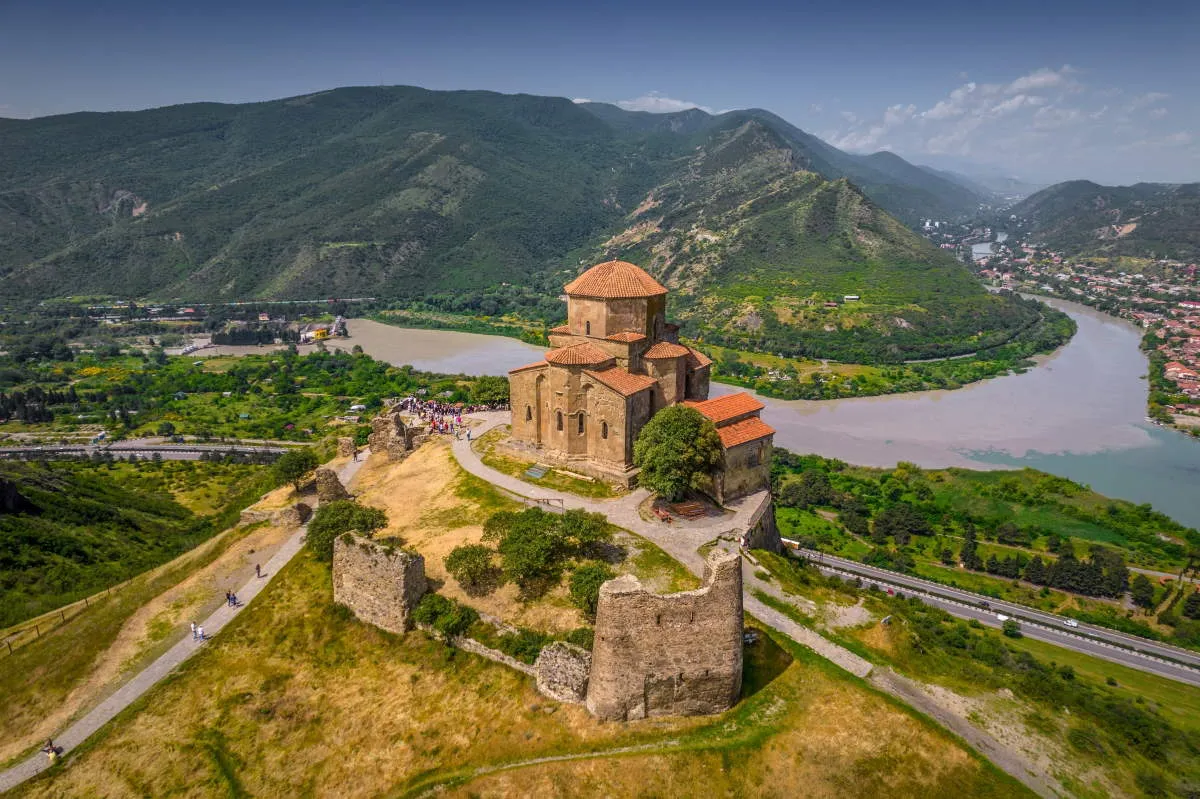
(471, 565)
(584, 637)
(447, 617)
(585, 586)
(1011, 628)
(337, 518)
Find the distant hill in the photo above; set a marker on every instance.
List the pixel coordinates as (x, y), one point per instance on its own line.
(402, 192)
(1150, 220)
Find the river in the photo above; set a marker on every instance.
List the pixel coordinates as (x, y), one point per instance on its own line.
(1079, 414)
(985, 250)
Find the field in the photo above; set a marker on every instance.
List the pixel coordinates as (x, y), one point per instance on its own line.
(298, 698)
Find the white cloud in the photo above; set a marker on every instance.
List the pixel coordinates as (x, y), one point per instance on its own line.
(656, 103)
(1046, 122)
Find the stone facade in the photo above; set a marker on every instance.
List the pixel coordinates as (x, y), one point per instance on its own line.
(346, 447)
(381, 584)
(615, 363)
(666, 655)
(329, 487)
(562, 671)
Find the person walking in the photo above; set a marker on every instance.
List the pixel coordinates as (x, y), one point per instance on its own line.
(200, 633)
(257, 570)
(193, 631)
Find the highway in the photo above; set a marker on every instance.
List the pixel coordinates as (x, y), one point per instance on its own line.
(143, 448)
(1150, 656)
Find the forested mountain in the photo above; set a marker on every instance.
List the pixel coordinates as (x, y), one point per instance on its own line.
(401, 192)
(1151, 220)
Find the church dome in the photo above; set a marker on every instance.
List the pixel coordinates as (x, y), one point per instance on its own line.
(615, 280)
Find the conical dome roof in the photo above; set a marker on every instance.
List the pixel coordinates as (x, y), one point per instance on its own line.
(614, 280)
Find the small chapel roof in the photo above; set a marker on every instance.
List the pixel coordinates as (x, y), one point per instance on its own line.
(750, 429)
(730, 406)
(584, 354)
(626, 337)
(621, 381)
(534, 365)
(615, 279)
(665, 349)
(697, 358)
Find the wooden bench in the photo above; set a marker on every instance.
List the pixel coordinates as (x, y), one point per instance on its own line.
(690, 510)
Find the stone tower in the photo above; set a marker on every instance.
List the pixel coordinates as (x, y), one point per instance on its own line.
(668, 655)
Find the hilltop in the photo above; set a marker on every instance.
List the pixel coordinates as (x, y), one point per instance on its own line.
(399, 192)
(1148, 220)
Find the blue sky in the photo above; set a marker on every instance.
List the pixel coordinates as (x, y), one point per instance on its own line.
(1047, 90)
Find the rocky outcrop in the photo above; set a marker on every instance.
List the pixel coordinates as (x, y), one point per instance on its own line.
(668, 655)
(562, 671)
(392, 437)
(329, 487)
(379, 582)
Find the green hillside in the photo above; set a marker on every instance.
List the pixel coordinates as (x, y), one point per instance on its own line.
(402, 194)
(68, 530)
(1148, 220)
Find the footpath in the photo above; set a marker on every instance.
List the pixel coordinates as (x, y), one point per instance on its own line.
(97, 717)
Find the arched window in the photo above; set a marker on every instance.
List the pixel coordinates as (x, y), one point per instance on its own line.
(528, 414)
(587, 328)
(580, 429)
(604, 429)
(558, 420)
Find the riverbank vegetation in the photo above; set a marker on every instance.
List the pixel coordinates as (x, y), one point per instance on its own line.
(278, 396)
(1088, 716)
(69, 530)
(1024, 536)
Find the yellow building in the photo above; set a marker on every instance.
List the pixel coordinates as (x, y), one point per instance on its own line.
(616, 363)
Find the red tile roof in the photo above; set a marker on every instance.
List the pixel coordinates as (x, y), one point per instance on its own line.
(536, 365)
(626, 337)
(584, 354)
(746, 430)
(621, 381)
(730, 406)
(614, 279)
(560, 329)
(665, 349)
(696, 358)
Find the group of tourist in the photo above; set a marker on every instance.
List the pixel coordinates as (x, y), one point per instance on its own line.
(446, 418)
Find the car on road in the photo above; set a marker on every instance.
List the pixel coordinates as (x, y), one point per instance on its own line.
(1001, 617)
(1070, 622)
(985, 605)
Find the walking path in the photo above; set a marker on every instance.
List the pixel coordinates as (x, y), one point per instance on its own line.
(100, 715)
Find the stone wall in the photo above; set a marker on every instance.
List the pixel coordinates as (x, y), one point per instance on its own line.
(562, 671)
(665, 655)
(381, 584)
(346, 447)
(329, 487)
(392, 437)
(762, 532)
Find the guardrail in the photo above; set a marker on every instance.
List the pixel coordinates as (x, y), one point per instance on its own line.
(1015, 611)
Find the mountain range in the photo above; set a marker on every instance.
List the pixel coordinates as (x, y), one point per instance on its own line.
(401, 192)
(1146, 220)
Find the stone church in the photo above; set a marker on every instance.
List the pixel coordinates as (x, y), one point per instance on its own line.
(615, 363)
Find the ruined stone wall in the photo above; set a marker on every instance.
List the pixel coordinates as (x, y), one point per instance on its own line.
(379, 583)
(390, 436)
(329, 487)
(345, 447)
(562, 670)
(763, 532)
(665, 655)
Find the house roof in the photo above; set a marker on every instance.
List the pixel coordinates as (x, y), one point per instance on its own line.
(626, 337)
(621, 381)
(696, 358)
(730, 406)
(584, 354)
(614, 279)
(665, 349)
(535, 365)
(746, 430)
(560, 329)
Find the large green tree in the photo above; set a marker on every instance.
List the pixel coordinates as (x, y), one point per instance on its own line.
(676, 449)
(294, 464)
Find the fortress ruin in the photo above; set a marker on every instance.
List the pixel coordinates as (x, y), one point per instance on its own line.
(380, 583)
(668, 655)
